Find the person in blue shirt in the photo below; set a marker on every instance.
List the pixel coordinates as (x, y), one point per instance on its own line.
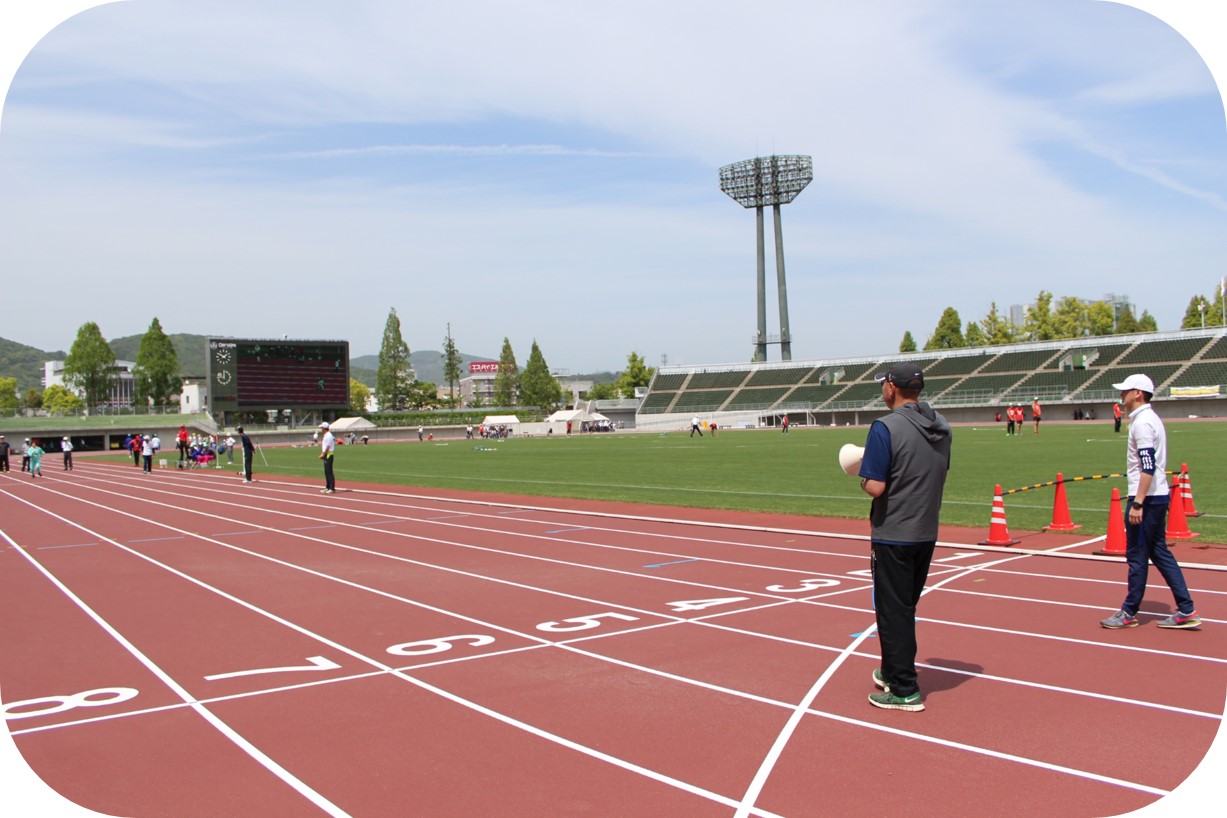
(907, 456)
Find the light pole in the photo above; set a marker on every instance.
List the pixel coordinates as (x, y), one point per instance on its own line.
(1202, 309)
(756, 183)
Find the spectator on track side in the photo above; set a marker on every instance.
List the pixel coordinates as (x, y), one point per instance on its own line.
(249, 451)
(4, 454)
(907, 456)
(328, 448)
(66, 448)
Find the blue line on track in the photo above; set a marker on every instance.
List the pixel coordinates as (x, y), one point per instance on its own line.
(873, 635)
(309, 527)
(158, 539)
(675, 562)
(73, 545)
(565, 530)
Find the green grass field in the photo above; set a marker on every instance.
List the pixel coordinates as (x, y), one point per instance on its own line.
(797, 473)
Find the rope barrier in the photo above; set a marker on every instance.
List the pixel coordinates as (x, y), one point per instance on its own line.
(1052, 483)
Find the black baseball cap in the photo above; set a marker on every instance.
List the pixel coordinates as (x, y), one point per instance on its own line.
(903, 375)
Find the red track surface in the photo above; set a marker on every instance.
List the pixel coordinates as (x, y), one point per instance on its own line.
(181, 644)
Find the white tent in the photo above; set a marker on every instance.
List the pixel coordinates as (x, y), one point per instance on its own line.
(563, 415)
(501, 420)
(347, 425)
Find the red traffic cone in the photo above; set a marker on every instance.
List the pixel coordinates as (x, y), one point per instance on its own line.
(1060, 510)
(1186, 488)
(998, 531)
(1114, 545)
(1177, 524)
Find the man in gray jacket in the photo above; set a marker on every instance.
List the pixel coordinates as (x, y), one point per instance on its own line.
(907, 455)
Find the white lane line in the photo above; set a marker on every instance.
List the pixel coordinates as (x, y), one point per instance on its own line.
(752, 809)
(956, 573)
(767, 766)
(482, 709)
(1056, 552)
(226, 730)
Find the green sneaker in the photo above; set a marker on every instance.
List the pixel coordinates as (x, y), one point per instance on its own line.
(889, 701)
(879, 680)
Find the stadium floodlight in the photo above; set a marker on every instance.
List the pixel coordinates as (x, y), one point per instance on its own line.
(756, 183)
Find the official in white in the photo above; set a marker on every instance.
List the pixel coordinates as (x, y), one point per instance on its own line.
(1146, 519)
(328, 447)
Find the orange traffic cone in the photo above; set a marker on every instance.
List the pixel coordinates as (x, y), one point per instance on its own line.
(998, 531)
(1060, 509)
(1186, 488)
(1177, 524)
(1114, 545)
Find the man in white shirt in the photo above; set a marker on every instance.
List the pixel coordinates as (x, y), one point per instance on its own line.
(66, 448)
(1146, 519)
(327, 449)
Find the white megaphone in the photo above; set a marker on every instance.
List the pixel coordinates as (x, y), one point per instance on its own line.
(850, 456)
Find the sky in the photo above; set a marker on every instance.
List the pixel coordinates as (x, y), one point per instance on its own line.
(548, 172)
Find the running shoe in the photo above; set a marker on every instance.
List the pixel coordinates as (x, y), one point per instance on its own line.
(1181, 620)
(1120, 619)
(889, 701)
(879, 680)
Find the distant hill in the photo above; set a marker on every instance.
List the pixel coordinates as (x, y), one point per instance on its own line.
(190, 350)
(426, 363)
(25, 363)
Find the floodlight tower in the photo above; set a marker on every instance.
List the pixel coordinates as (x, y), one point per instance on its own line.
(756, 183)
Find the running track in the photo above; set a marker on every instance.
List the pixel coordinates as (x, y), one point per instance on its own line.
(181, 644)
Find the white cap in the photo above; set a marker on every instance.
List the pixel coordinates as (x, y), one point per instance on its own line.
(850, 456)
(1136, 382)
(324, 425)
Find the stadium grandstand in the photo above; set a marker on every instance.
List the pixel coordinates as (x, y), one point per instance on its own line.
(1070, 378)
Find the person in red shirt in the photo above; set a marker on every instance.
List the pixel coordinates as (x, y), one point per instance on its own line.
(1116, 417)
(1036, 411)
(183, 445)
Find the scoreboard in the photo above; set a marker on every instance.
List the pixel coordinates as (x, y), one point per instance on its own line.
(254, 374)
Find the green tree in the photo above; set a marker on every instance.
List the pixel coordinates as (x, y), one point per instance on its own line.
(908, 344)
(636, 374)
(996, 328)
(90, 365)
(156, 369)
(537, 386)
(359, 394)
(973, 336)
(423, 395)
(1038, 324)
(601, 391)
(1199, 310)
(1070, 319)
(1099, 318)
(8, 395)
(59, 400)
(451, 365)
(33, 399)
(1126, 321)
(507, 381)
(1147, 322)
(394, 377)
(949, 332)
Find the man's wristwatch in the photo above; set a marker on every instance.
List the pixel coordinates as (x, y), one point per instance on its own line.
(1137, 505)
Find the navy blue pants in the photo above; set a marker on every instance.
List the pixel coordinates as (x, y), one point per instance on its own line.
(1147, 543)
